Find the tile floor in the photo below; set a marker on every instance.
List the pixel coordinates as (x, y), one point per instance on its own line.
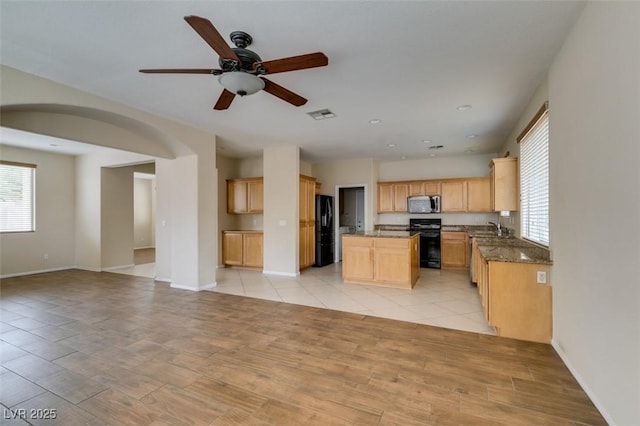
(443, 298)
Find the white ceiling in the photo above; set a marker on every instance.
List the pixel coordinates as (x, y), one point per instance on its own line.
(409, 64)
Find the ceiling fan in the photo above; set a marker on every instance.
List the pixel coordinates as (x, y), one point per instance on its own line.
(241, 70)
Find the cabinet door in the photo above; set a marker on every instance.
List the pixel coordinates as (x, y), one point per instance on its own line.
(255, 196)
(454, 249)
(416, 189)
(479, 195)
(357, 259)
(252, 250)
(432, 188)
(392, 265)
(400, 194)
(454, 196)
(385, 198)
(232, 248)
(236, 196)
(304, 200)
(504, 184)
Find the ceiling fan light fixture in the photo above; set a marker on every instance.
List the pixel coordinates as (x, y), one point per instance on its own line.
(241, 83)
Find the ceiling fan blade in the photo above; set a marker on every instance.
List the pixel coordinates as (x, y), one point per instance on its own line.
(293, 63)
(282, 93)
(182, 71)
(208, 32)
(224, 100)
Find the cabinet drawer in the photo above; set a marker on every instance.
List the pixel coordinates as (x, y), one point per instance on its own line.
(356, 241)
(453, 235)
(391, 243)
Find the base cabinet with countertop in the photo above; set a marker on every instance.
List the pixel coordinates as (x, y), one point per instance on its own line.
(242, 248)
(454, 249)
(513, 299)
(384, 258)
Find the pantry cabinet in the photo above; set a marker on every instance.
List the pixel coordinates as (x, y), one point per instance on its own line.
(307, 239)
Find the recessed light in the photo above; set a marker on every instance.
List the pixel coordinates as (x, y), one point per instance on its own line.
(375, 121)
(404, 157)
(469, 151)
(53, 144)
(432, 155)
(471, 136)
(463, 107)
(391, 145)
(426, 141)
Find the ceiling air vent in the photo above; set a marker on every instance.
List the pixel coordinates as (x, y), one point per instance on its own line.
(321, 114)
(436, 146)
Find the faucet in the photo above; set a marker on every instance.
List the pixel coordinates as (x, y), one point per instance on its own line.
(498, 228)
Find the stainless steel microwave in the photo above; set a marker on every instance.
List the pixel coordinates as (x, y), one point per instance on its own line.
(423, 204)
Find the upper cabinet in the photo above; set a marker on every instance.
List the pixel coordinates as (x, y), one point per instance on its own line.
(453, 196)
(479, 195)
(245, 195)
(504, 184)
(392, 197)
(470, 195)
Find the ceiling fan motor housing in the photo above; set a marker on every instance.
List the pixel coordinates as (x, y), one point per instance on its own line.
(247, 57)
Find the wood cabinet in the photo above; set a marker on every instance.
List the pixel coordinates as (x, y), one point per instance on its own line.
(479, 195)
(242, 248)
(392, 197)
(454, 249)
(512, 300)
(307, 239)
(504, 184)
(454, 196)
(391, 262)
(245, 196)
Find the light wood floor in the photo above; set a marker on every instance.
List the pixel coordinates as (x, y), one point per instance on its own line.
(103, 348)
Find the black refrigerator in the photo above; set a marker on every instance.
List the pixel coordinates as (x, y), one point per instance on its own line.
(324, 230)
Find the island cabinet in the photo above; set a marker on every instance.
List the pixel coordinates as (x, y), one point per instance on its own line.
(384, 261)
(245, 196)
(454, 249)
(504, 184)
(242, 248)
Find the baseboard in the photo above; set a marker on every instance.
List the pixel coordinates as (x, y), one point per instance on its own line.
(198, 288)
(582, 383)
(162, 279)
(41, 271)
(282, 274)
(113, 268)
(143, 248)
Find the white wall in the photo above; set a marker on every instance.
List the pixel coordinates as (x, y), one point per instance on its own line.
(143, 212)
(281, 215)
(55, 217)
(116, 201)
(594, 104)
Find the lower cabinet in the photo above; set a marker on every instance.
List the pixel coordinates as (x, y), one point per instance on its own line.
(242, 248)
(454, 247)
(391, 262)
(512, 300)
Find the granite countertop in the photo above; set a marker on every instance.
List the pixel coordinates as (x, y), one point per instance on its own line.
(506, 248)
(384, 234)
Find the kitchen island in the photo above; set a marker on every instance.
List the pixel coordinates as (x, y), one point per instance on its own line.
(383, 258)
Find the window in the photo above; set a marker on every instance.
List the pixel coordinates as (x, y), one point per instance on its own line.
(534, 179)
(17, 197)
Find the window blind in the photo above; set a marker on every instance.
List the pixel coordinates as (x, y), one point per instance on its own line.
(534, 181)
(17, 201)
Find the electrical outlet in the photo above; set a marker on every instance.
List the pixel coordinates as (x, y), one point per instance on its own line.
(541, 277)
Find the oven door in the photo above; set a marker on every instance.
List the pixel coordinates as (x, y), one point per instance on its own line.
(430, 249)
